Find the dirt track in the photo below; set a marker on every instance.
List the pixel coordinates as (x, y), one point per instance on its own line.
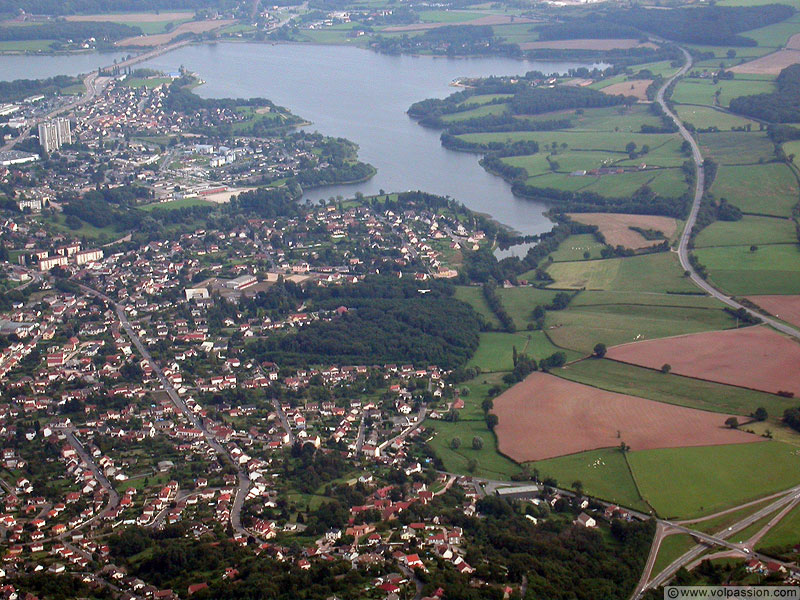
(753, 357)
(545, 416)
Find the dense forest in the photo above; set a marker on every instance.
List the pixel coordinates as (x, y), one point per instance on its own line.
(782, 106)
(388, 321)
(68, 30)
(707, 25)
(19, 89)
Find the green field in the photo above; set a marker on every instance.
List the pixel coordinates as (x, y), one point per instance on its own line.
(769, 189)
(665, 182)
(659, 272)
(785, 534)
(587, 140)
(737, 147)
(703, 117)
(484, 98)
(673, 389)
(672, 547)
(594, 298)
(449, 16)
(473, 295)
(750, 230)
(776, 35)
(148, 82)
(173, 204)
(519, 302)
(480, 111)
(26, 46)
(496, 350)
(603, 473)
(575, 247)
(580, 328)
(771, 269)
(702, 91)
(691, 482)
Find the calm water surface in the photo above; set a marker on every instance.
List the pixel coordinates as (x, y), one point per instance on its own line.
(33, 66)
(363, 96)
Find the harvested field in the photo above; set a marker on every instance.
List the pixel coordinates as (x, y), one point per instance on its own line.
(636, 87)
(616, 227)
(753, 357)
(133, 17)
(786, 308)
(151, 41)
(490, 20)
(545, 416)
(771, 64)
(586, 44)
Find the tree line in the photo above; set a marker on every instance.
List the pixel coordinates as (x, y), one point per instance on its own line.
(782, 106)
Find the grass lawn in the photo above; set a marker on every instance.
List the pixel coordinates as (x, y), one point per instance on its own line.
(173, 204)
(737, 147)
(603, 473)
(659, 272)
(473, 295)
(785, 533)
(580, 328)
(496, 350)
(491, 464)
(769, 189)
(480, 111)
(484, 98)
(86, 230)
(771, 269)
(750, 230)
(691, 482)
(718, 524)
(519, 302)
(148, 82)
(26, 46)
(574, 247)
(671, 548)
(673, 389)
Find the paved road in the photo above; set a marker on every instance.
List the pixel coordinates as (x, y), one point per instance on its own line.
(244, 482)
(683, 248)
(284, 421)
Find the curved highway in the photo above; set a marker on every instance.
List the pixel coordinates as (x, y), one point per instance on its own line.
(683, 248)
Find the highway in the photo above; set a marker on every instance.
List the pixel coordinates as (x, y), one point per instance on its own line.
(683, 248)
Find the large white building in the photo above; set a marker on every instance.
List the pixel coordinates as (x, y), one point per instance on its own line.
(54, 134)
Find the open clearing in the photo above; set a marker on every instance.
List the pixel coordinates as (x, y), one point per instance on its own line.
(753, 357)
(148, 41)
(636, 87)
(692, 482)
(586, 44)
(616, 228)
(786, 308)
(603, 473)
(545, 416)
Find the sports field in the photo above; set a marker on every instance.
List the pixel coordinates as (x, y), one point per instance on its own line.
(753, 357)
(692, 482)
(546, 416)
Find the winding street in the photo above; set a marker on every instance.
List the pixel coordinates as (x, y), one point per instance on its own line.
(683, 247)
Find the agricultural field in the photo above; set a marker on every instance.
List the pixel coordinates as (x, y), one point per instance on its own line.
(749, 231)
(769, 189)
(608, 141)
(659, 272)
(576, 246)
(739, 270)
(490, 463)
(546, 416)
(786, 308)
(473, 295)
(616, 228)
(674, 389)
(753, 357)
(519, 302)
(785, 534)
(480, 111)
(703, 117)
(580, 328)
(737, 147)
(603, 473)
(594, 298)
(693, 482)
(703, 91)
(496, 350)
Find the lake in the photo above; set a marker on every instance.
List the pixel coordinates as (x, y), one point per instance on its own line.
(363, 96)
(38, 66)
